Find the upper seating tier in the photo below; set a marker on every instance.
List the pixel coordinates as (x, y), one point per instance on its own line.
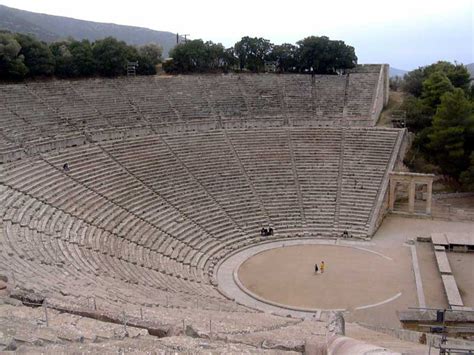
(46, 115)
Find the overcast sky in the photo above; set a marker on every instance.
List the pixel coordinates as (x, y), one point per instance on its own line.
(404, 33)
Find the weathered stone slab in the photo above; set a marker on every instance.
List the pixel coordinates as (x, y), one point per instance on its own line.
(460, 238)
(438, 239)
(452, 291)
(443, 262)
(430, 316)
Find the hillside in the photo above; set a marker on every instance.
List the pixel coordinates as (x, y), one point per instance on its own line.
(51, 28)
(397, 72)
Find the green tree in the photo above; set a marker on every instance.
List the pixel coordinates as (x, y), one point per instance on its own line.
(285, 56)
(190, 56)
(73, 58)
(110, 56)
(82, 58)
(198, 56)
(152, 51)
(63, 59)
(342, 56)
(229, 60)
(323, 56)
(12, 63)
(146, 60)
(418, 156)
(146, 66)
(38, 56)
(252, 53)
(418, 114)
(435, 86)
(452, 136)
(467, 177)
(215, 54)
(457, 74)
(413, 82)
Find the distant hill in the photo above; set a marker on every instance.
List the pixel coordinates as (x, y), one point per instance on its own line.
(397, 72)
(470, 68)
(52, 28)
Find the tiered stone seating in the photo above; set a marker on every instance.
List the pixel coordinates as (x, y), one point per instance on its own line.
(329, 98)
(106, 98)
(360, 95)
(26, 118)
(52, 262)
(298, 96)
(142, 219)
(226, 99)
(104, 222)
(152, 99)
(68, 104)
(317, 158)
(44, 116)
(366, 155)
(216, 168)
(266, 158)
(188, 98)
(264, 98)
(203, 222)
(65, 333)
(14, 131)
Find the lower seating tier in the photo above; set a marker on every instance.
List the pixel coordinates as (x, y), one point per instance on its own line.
(146, 220)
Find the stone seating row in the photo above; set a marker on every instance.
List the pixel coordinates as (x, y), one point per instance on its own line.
(241, 321)
(267, 162)
(56, 252)
(160, 169)
(160, 211)
(360, 94)
(45, 221)
(61, 107)
(317, 165)
(104, 96)
(175, 250)
(217, 168)
(122, 181)
(59, 254)
(351, 193)
(25, 118)
(363, 171)
(61, 97)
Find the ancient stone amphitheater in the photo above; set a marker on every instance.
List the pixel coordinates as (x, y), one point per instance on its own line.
(170, 175)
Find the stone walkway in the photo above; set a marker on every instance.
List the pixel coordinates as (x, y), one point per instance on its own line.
(417, 274)
(229, 284)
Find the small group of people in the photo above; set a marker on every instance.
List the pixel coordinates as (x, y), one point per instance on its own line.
(346, 235)
(264, 232)
(319, 270)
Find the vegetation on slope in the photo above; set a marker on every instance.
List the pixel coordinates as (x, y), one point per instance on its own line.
(318, 55)
(50, 28)
(23, 56)
(439, 107)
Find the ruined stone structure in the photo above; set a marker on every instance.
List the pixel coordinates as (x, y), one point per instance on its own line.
(169, 175)
(411, 180)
